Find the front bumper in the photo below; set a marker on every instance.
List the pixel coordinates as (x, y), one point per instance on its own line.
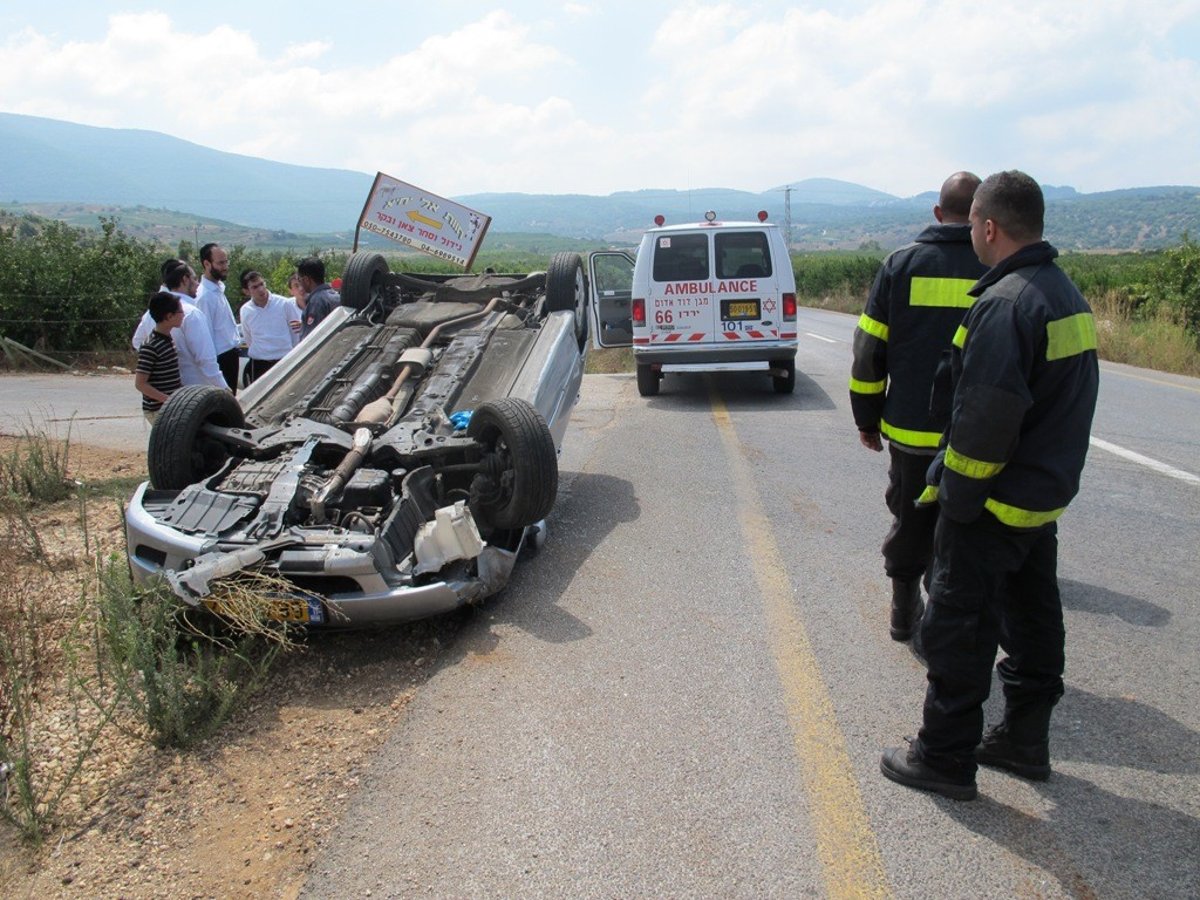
(155, 549)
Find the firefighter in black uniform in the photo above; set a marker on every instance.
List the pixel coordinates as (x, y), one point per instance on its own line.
(1025, 376)
(914, 307)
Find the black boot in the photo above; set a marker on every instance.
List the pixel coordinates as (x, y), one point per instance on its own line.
(903, 767)
(906, 607)
(1020, 744)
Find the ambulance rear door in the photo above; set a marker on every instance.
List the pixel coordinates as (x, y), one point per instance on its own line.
(749, 300)
(611, 289)
(680, 307)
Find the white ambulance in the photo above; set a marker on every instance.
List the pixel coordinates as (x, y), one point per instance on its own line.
(702, 297)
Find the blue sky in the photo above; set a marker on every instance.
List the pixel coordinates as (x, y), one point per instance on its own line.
(591, 97)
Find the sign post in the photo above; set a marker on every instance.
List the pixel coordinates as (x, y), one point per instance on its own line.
(424, 221)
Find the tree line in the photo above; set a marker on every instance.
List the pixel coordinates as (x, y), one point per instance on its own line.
(69, 291)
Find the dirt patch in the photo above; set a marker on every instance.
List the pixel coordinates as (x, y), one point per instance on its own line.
(243, 814)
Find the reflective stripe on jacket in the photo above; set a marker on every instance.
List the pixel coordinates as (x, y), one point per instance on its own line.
(1025, 376)
(918, 299)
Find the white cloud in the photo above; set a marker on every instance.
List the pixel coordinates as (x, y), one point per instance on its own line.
(584, 97)
(898, 94)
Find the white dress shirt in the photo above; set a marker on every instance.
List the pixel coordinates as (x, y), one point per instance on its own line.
(193, 345)
(268, 329)
(210, 298)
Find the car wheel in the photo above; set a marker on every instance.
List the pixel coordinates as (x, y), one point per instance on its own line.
(786, 383)
(180, 453)
(363, 279)
(521, 482)
(566, 290)
(647, 380)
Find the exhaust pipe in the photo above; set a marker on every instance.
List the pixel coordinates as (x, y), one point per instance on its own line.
(388, 408)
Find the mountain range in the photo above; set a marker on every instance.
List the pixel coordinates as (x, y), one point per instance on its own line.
(54, 167)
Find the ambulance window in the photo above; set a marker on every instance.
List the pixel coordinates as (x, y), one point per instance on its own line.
(743, 255)
(611, 273)
(680, 257)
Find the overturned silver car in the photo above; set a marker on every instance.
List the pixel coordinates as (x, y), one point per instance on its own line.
(390, 468)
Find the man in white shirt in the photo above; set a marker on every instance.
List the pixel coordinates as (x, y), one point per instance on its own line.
(193, 339)
(214, 304)
(270, 324)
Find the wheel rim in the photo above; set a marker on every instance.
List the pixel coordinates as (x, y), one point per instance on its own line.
(580, 304)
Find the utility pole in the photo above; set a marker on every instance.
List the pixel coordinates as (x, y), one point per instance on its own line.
(787, 213)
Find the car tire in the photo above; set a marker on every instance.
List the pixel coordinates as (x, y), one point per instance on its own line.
(647, 380)
(524, 478)
(566, 290)
(363, 279)
(786, 383)
(179, 453)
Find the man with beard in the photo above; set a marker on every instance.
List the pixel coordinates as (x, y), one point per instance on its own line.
(211, 300)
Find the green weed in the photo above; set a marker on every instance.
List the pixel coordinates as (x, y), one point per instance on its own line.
(34, 471)
(183, 682)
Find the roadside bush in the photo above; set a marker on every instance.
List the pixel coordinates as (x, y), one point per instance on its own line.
(34, 471)
(65, 289)
(1179, 279)
(183, 683)
(820, 276)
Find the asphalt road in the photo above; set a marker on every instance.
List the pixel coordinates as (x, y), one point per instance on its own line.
(102, 410)
(687, 691)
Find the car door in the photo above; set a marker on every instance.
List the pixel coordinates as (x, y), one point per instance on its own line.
(611, 287)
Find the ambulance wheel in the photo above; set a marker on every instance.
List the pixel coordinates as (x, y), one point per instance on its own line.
(518, 482)
(180, 453)
(363, 280)
(786, 383)
(648, 380)
(566, 290)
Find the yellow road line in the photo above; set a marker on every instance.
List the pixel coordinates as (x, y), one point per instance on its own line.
(849, 853)
(1107, 370)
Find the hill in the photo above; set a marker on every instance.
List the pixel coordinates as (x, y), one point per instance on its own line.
(47, 161)
(162, 187)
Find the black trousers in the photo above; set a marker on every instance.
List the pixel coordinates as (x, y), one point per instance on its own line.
(227, 362)
(909, 543)
(991, 586)
(256, 368)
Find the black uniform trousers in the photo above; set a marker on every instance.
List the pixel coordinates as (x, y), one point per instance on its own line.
(909, 542)
(992, 586)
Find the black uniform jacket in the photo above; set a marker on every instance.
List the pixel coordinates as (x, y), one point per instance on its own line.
(914, 307)
(1025, 378)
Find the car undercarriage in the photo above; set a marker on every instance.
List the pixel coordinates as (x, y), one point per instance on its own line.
(392, 466)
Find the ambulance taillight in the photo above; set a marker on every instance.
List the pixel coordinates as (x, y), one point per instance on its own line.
(789, 307)
(637, 309)
(762, 215)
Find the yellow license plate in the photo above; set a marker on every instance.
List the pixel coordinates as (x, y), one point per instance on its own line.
(274, 610)
(746, 310)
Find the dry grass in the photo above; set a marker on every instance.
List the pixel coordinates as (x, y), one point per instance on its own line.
(1161, 343)
(252, 603)
(843, 299)
(608, 362)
